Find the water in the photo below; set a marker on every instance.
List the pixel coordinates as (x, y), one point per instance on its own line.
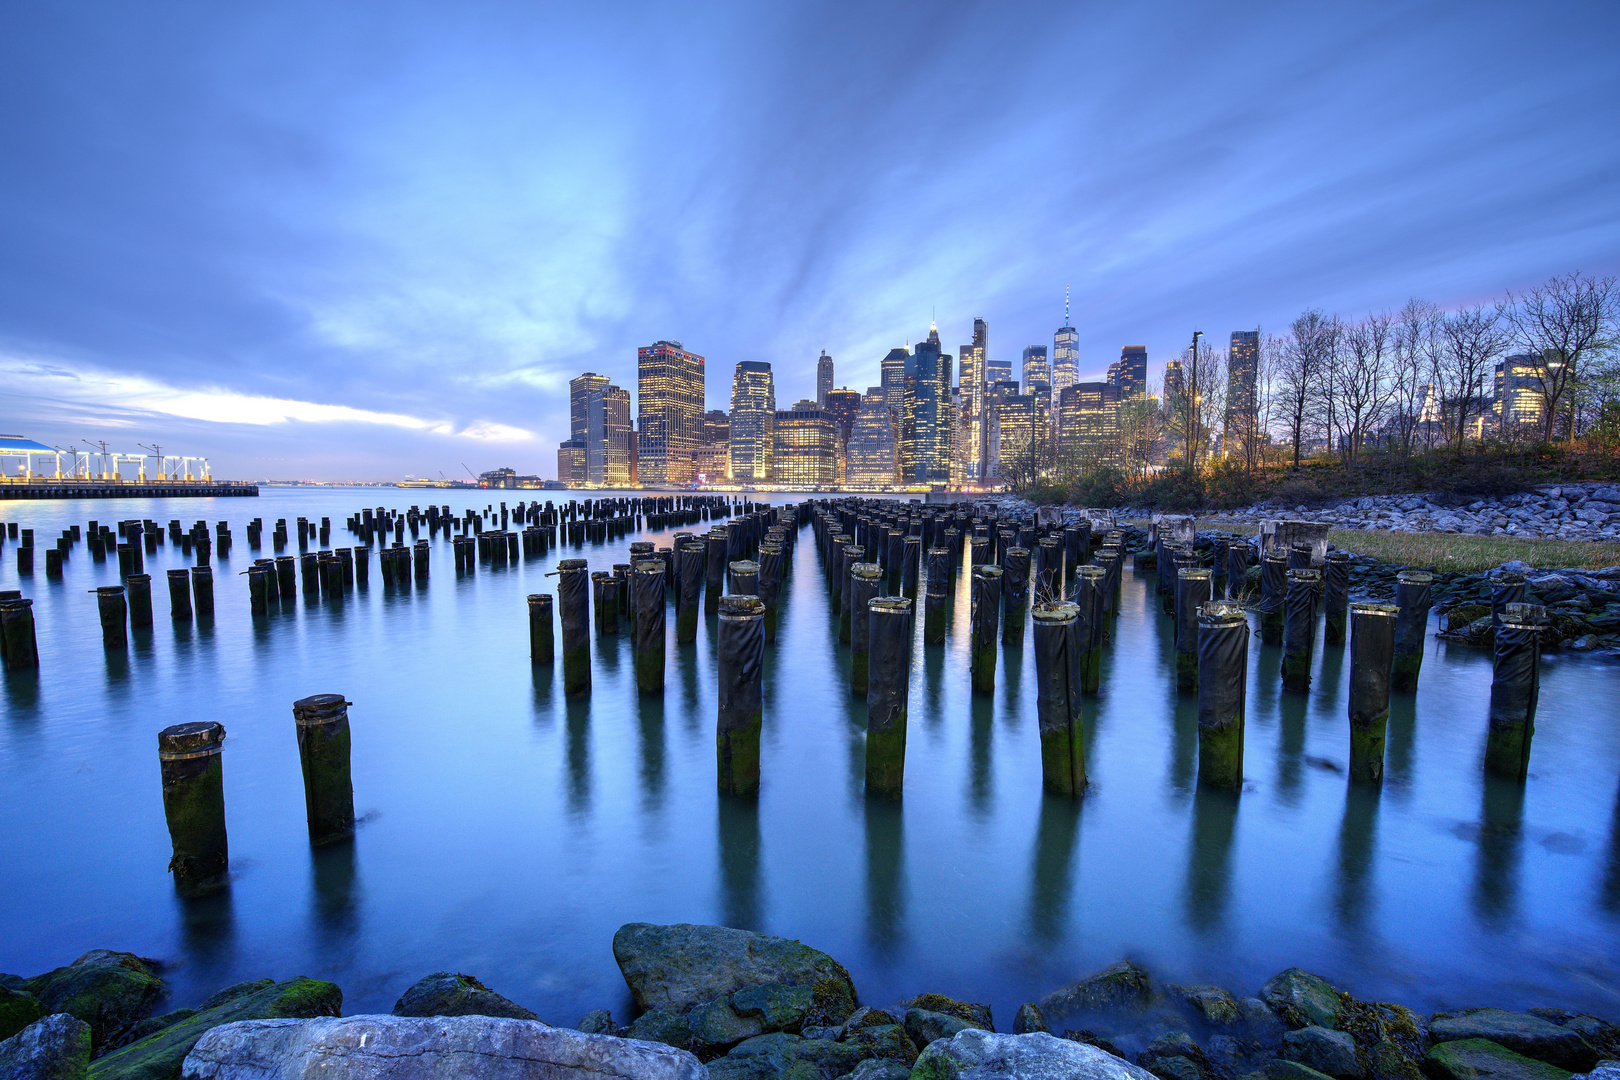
(507, 832)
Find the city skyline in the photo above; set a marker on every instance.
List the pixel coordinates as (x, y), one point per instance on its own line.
(338, 243)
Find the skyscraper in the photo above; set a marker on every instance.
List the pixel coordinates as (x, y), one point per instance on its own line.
(1088, 419)
(871, 446)
(997, 371)
(925, 414)
(669, 411)
(753, 420)
(1065, 352)
(607, 437)
(892, 371)
(1037, 372)
(1175, 386)
(1129, 372)
(578, 389)
(974, 385)
(1242, 393)
(805, 454)
(842, 407)
(824, 379)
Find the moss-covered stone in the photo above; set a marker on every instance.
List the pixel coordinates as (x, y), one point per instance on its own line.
(1122, 988)
(678, 966)
(110, 991)
(883, 1041)
(18, 1009)
(54, 1048)
(778, 1006)
(1029, 1018)
(1213, 1005)
(1302, 999)
(1522, 1033)
(142, 1028)
(925, 1025)
(234, 991)
(446, 993)
(974, 1014)
(1481, 1059)
(159, 1056)
(780, 1055)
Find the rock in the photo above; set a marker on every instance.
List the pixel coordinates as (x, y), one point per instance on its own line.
(55, 1048)
(425, 1047)
(676, 967)
(1029, 1018)
(159, 1055)
(1603, 1036)
(1283, 1069)
(1212, 1004)
(976, 1015)
(150, 1026)
(659, 1026)
(1123, 988)
(883, 1041)
(1175, 1056)
(778, 1007)
(865, 1017)
(975, 1054)
(110, 991)
(231, 993)
(18, 1009)
(924, 1025)
(1481, 1059)
(1301, 999)
(783, 1055)
(597, 1022)
(1606, 1070)
(1520, 1032)
(1325, 1050)
(716, 1028)
(445, 993)
(879, 1069)
(1225, 1054)
(1388, 1061)
(1393, 1039)
(1261, 1028)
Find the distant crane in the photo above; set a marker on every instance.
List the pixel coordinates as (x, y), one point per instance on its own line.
(469, 471)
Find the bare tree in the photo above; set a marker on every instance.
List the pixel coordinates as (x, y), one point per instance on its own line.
(1298, 381)
(1565, 322)
(1361, 381)
(1192, 408)
(1411, 364)
(1468, 342)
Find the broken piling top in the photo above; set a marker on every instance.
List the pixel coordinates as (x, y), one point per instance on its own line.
(889, 605)
(866, 571)
(196, 738)
(1282, 534)
(741, 607)
(1056, 611)
(1182, 528)
(1218, 614)
(1373, 608)
(571, 564)
(1529, 615)
(320, 709)
(649, 566)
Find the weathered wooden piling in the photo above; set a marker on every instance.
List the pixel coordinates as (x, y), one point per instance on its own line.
(1049, 569)
(194, 804)
(114, 612)
(1299, 633)
(25, 560)
(744, 575)
(887, 693)
(202, 591)
(1335, 596)
(179, 593)
(1515, 688)
(138, 590)
(1112, 564)
(542, 639)
(309, 568)
(848, 557)
(911, 564)
(18, 648)
(286, 576)
(740, 644)
(866, 581)
(1014, 594)
(1299, 555)
(259, 578)
(1273, 597)
(322, 722)
(574, 612)
(1192, 593)
(936, 603)
(986, 593)
(1506, 588)
(647, 599)
(1412, 598)
(714, 570)
(1058, 674)
(1372, 658)
(1089, 582)
(690, 558)
(1223, 677)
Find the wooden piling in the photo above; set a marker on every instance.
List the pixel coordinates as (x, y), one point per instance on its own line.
(573, 602)
(1335, 596)
(259, 578)
(1014, 594)
(202, 591)
(691, 558)
(740, 644)
(986, 593)
(936, 603)
(179, 593)
(1089, 583)
(1515, 688)
(138, 590)
(1412, 599)
(194, 804)
(1372, 658)
(1223, 674)
(866, 581)
(322, 722)
(1057, 644)
(888, 693)
(1273, 596)
(1299, 633)
(647, 600)
(1192, 593)
(542, 642)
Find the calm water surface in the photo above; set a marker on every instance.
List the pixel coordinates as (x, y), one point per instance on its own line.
(507, 832)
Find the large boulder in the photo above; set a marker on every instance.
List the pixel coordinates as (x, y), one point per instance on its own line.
(1213, 1005)
(445, 993)
(18, 1009)
(1303, 999)
(1325, 1050)
(925, 1025)
(110, 991)
(1520, 1032)
(159, 1055)
(975, 1015)
(55, 1048)
(676, 967)
(1122, 988)
(975, 1054)
(1481, 1059)
(426, 1048)
(780, 1054)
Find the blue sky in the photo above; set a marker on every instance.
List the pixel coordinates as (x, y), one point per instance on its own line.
(362, 240)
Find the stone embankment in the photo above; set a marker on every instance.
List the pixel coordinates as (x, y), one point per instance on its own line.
(734, 1005)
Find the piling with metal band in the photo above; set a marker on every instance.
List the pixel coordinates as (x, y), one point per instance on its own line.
(1076, 542)
(647, 598)
(574, 612)
(1506, 588)
(1058, 664)
(179, 593)
(202, 591)
(309, 566)
(1166, 568)
(740, 643)
(138, 589)
(979, 551)
(690, 559)
(605, 596)
(894, 558)
(1273, 597)
(770, 583)
(744, 577)
(865, 582)
(911, 565)
(421, 553)
(939, 590)
(1112, 565)
(1048, 569)
(1192, 593)
(1014, 594)
(1089, 582)
(715, 570)
(1335, 596)
(322, 721)
(1299, 633)
(194, 804)
(114, 612)
(986, 593)
(286, 576)
(18, 648)
(1515, 686)
(1217, 566)
(1411, 627)
(887, 693)
(1237, 570)
(1223, 677)
(1299, 556)
(259, 578)
(1372, 656)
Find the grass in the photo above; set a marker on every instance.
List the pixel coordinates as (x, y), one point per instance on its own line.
(1463, 552)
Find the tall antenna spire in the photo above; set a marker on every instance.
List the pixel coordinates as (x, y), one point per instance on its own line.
(1065, 305)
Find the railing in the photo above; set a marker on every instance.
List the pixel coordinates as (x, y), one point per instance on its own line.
(52, 481)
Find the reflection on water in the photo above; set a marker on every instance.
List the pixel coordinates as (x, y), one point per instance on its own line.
(510, 830)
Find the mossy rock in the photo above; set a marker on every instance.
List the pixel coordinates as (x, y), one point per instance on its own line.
(1030, 1018)
(110, 991)
(779, 1007)
(975, 1015)
(1523, 1033)
(445, 993)
(657, 1025)
(883, 1041)
(1392, 1038)
(159, 1055)
(676, 967)
(1463, 614)
(1481, 1059)
(925, 1025)
(1122, 988)
(781, 1055)
(1302, 999)
(1213, 1005)
(866, 1017)
(18, 1009)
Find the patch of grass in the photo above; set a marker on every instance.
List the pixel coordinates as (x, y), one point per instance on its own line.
(1469, 554)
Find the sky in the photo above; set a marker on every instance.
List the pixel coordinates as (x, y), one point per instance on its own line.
(370, 240)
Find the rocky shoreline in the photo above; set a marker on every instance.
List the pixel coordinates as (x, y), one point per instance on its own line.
(735, 1005)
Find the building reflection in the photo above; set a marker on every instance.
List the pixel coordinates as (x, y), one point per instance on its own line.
(1209, 859)
(739, 862)
(1500, 838)
(1056, 838)
(1357, 842)
(885, 875)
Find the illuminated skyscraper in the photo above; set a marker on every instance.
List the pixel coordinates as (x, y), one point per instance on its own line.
(925, 436)
(974, 376)
(753, 418)
(1065, 352)
(1037, 372)
(1242, 391)
(607, 437)
(1088, 423)
(997, 371)
(1129, 372)
(824, 379)
(805, 454)
(892, 371)
(842, 408)
(578, 390)
(669, 411)
(871, 446)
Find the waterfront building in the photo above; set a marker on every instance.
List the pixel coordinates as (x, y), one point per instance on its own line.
(843, 405)
(1088, 423)
(1517, 397)
(1129, 372)
(607, 437)
(805, 454)
(1037, 372)
(824, 379)
(571, 461)
(1242, 419)
(753, 416)
(579, 389)
(925, 414)
(669, 414)
(975, 387)
(1065, 352)
(717, 427)
(871, 458)
(712, 462)
(997, 394)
